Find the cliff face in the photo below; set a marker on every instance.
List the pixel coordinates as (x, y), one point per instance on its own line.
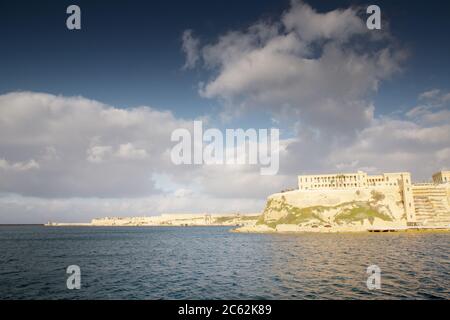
(362, 208)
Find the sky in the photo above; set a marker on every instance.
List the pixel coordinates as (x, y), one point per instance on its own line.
(86, 116)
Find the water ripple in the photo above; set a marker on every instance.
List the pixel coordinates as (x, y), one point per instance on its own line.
(211, 263)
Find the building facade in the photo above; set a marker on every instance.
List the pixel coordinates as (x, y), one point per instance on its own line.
(427, 203)
(441, 177)
(359, 179)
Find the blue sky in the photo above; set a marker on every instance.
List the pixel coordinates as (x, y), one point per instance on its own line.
(128, 53)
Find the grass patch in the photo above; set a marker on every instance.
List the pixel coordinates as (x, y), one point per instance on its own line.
(294, 215)
(353, 211)
(360, 213)
(238, 218)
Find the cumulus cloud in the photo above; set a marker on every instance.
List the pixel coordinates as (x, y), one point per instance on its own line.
(311, 25)
(81, 147)
(79, 156)
(316, 73)
(101, 168)
(308, 65)
(397, 145)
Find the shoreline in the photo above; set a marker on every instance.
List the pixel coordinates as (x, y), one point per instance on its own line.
(131, 225)
(261, 229)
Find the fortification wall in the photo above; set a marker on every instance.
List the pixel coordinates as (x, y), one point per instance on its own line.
(432, 203)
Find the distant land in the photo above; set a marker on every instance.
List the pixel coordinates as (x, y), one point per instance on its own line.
(351, 202)
(175, 219)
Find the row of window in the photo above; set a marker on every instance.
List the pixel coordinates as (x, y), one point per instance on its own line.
(350, 185)
(442, 179)
(331, 178)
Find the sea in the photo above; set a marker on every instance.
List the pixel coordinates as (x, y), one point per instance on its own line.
(214, 263)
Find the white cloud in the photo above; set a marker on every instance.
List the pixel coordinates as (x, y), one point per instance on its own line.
(129, 151)
(83, 147)
(430, 94)
(397, 145)
(97, 154)
(125, 180)
(89, 159)
(307, 66)
(316, 73)
(434, 108)
(435, 97)
(311, 25)
(18, 166)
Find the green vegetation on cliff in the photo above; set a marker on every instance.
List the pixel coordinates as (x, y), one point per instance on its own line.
(360, 212)
(294, 215)
(235, 217)
(348, 212)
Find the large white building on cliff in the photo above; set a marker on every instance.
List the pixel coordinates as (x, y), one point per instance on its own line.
(359, 179)
(424, 203)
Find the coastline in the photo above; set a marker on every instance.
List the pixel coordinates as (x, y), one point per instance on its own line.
(169, 220)
(260, 229)
(281, 229)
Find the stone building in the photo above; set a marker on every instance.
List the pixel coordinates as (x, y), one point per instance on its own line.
(424, 204)
(359, 179)
(441, 177)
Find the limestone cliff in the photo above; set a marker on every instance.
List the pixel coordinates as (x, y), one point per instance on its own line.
(358, 209)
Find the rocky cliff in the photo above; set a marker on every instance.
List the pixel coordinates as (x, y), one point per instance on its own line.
(347, 210)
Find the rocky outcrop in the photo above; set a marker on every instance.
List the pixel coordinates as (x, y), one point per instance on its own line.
(332, 210)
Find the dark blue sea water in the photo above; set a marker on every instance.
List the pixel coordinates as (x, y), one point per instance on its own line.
(212, 263)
